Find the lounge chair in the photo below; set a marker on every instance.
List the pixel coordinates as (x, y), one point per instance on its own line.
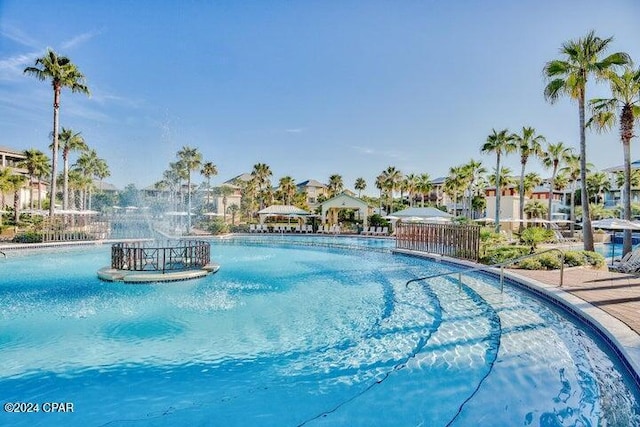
(252, 228)
(630, 263)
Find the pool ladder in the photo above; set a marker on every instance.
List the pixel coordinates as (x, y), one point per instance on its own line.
(501, 265)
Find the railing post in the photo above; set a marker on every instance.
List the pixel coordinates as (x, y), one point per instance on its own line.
(561, 268)
(501, 278)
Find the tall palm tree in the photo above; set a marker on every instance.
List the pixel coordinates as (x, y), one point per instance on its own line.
(623, 107)
(335, 185)
(568, 76)
(528, 145)
(598, 183)
(380, 185)
(473, 170)
(225, 192)
(191, 160)
(15, 184)
(62, 73)
(391, 182)
(424, 186)
(360, 185)
(68, 142)
(37, 165)
(5, 185)
(551, 158)
(287, 186)
(410, 184)
(530, 182)
(208, 170)
(261, 174)
(499, 143)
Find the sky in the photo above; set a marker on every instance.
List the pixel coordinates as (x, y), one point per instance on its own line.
(311, 88)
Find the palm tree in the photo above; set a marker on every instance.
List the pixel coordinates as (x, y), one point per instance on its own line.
(261, 174)
(455, 184)
(381, 187)
(528, 145)
(37, 164)
(15, 184)
(572, 171)
(410, 184)
(473, 170)
(568, 76)
(598, 183)
(234, 210)
(360, 185)
(5, 186)
(62, 73)
(498, 143)
(625, 101)
(551, 158)
(68, 142)
(335, 185)
(191, 160)
(529, 183)
(208, 170)
(391, 182)
(535, 209)
(287, 186)
(225, 192)
(424, 186)
(504, 181)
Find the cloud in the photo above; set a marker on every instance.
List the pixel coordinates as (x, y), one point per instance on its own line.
(295, 130)
(80, 39)
(12, 68)
(14, 34)
(389, 154)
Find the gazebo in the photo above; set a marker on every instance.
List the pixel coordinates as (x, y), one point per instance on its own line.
(282, 210)
(343, 200)
(424, 214)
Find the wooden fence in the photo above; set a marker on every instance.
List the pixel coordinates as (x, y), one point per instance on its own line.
(454, 240)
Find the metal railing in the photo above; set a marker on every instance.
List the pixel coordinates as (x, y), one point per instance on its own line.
(489, 267)
(144, 256)
(3, 254)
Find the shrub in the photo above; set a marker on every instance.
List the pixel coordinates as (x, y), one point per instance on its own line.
(530, 264)
(218, 226)
(240, 228)
(535, 235)
(549, 261)
(28, 237)
(594, 259)
(499, 254)
(574, 258)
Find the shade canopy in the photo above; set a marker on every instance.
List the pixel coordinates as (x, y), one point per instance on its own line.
(283, 210)
(615, 224)
(421, 213)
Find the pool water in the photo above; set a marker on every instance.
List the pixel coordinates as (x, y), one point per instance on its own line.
(288, 334)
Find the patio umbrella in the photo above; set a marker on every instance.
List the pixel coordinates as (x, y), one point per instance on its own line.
(486, 219)
(615, 224)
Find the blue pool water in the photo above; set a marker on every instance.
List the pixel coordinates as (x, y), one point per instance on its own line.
(296, 332)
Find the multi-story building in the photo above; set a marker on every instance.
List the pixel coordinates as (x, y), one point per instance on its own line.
(314, 190)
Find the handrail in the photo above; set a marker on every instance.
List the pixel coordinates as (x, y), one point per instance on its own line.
(501, 265)
(5, 255)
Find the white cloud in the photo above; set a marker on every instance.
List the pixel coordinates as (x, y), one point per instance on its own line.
(18, 36)
(80, 39)
(295, 130)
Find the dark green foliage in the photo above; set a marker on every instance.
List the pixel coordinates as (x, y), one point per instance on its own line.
(533, 236)
(28, 237)
(218, 226)
(499, 254)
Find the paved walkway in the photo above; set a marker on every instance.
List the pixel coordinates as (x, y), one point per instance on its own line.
(615, 293)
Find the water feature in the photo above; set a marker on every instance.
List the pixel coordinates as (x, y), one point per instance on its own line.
(296, 332)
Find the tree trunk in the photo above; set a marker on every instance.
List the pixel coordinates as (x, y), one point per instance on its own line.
(39, 194)
(553, 183)
(626, 240)
(587, 232)
(65, 182)
(521, 190)
(498, 192)
(189, 204)
(54, 158)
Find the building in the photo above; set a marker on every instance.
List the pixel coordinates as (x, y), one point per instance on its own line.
(314, 190)
(10, 158)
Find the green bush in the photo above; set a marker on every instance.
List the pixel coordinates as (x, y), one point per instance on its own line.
(28, 237)
(530, 264)
(535, 235)
(499, 254)
(240, 228)
(594, 259)
(574, 258)
(218, 226)
(549, 261)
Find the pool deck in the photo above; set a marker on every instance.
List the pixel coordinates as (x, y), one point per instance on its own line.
(615, 293)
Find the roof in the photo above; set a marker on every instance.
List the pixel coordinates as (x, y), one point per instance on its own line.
(283, 210)
(422, 213)
(439, 180)
(613, 169)
(311, 183)
(104, 186)
(347, 196)
(12, 151)
(246, 177)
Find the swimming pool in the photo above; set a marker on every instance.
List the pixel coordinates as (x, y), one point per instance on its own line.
(302, 332)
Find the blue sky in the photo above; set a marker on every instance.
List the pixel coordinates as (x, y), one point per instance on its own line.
(311, 88)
